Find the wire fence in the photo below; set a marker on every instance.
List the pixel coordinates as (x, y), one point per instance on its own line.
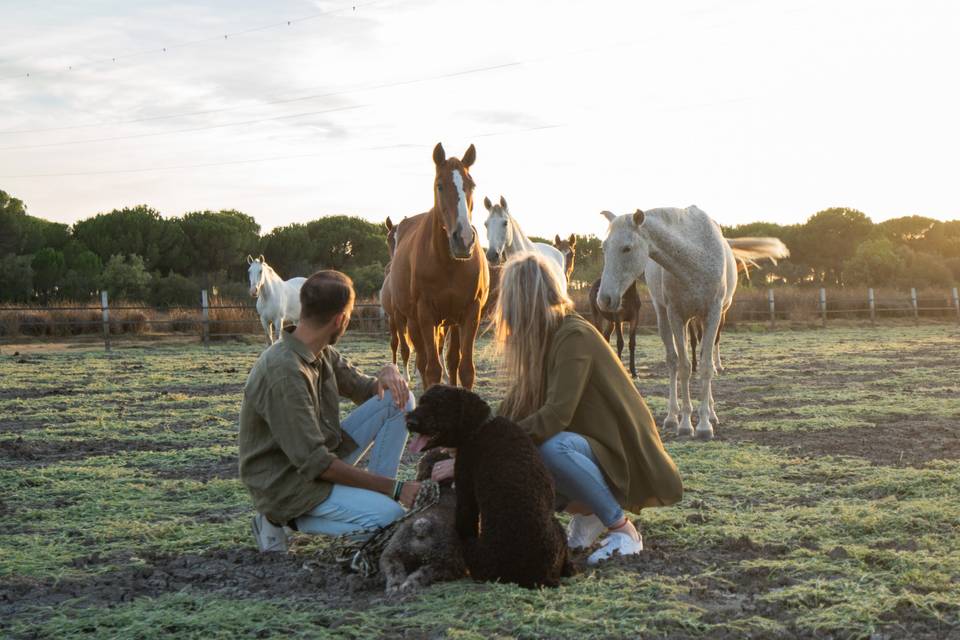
(216, 320)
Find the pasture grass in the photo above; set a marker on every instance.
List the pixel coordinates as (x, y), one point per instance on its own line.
(112, 462)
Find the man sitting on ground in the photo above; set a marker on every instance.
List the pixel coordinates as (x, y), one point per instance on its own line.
(296, 458)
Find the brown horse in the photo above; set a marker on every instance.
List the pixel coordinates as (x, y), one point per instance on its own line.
(439, 276)
(606, 321)
(568, 248)
(397, 324)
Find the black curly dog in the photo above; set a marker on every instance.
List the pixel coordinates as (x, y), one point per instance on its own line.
(505, 496)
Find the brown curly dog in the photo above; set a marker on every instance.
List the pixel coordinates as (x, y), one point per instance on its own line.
(505, 495)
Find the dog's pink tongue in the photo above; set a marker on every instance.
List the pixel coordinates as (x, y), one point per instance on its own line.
(418, 443)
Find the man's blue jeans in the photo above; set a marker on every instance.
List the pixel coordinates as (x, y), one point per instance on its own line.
(352, 510)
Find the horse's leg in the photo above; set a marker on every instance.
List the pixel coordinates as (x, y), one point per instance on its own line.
(394, 338)
(716, 345)
(619, 324)
(707, 371)
(404, 345)
(266, 328)
(431, 371)
(633, 346)
(453, 353)
(672, 421)
(679, 329)
(606, 328)
(468, 334)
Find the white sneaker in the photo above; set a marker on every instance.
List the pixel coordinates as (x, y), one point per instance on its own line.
(269, 537)
(616, 543)
(583, 531)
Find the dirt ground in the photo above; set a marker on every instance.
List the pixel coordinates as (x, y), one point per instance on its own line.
(728, 576)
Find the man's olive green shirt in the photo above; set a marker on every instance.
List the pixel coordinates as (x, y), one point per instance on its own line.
(290, 429)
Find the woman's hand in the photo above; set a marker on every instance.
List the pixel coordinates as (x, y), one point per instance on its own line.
(442, 470)
(408, 493)
(389, 379)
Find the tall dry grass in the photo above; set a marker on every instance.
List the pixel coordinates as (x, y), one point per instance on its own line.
(231, 317)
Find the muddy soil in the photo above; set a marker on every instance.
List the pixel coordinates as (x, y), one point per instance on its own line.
(893, 443)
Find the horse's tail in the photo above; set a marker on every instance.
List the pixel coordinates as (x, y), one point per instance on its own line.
(749, 250)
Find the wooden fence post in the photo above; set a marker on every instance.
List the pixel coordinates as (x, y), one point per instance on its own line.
(773, 312)
(105, 309)
(913, 302)
(873, 306)
(823, 305)
(956, 303)
(205, 320)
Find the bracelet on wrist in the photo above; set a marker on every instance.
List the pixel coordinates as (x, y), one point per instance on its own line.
(397, 489)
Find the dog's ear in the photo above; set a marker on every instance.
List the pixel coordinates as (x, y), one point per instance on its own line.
(475, 410)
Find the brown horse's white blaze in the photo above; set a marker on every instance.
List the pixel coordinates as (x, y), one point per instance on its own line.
(453, 197)
(439, 277)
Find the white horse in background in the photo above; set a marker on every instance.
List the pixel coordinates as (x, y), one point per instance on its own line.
(691, 271)
(278, 300)
(505, 238)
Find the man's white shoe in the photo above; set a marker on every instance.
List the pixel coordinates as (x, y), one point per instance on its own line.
(616, 543)
(269, 537)
(583, 531)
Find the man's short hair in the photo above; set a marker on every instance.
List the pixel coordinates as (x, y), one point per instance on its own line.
(325, 294)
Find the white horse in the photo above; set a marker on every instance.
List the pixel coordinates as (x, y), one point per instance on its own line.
(505, 238)
(691, 271)
(278, 300)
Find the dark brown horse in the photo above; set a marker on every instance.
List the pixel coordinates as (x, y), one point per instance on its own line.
(439, 277)
(606, 321)
(568, 248)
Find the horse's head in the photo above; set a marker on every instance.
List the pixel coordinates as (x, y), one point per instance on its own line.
(625, 252)
(391, 236)
(453, 199)
(499, 229)
(568, 248)
(256, 272)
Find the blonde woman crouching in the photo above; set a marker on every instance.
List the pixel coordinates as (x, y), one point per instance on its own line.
(573, 396)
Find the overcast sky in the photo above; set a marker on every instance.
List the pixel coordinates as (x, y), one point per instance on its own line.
(749, 109)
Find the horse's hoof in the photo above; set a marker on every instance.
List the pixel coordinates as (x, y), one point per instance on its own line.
(704, 434)
(670, 423)
(684, 431)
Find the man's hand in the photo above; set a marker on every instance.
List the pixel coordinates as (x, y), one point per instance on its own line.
(442, 470)
(409, 493)
(389, 379)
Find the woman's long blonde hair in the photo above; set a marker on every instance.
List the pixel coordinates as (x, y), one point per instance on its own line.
(531, 306)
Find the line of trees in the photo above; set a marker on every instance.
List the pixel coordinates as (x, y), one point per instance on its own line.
(136, 254)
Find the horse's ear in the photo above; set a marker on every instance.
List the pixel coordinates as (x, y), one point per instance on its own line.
(556, 239)
(388, 223)
(638, 217)
(609, 216)
(469, 157)
(487, 203)
(572, 241)
(249, 259)
(503, 202)
(439, 155)
(262, 259)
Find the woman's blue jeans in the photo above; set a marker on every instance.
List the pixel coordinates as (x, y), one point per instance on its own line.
(577, 475)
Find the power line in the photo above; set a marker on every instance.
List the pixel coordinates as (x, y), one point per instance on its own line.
(314, 96)
(167, 133)
(189, 43)
(265, 159)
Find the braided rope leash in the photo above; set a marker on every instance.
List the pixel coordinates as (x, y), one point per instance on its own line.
(363, 556)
